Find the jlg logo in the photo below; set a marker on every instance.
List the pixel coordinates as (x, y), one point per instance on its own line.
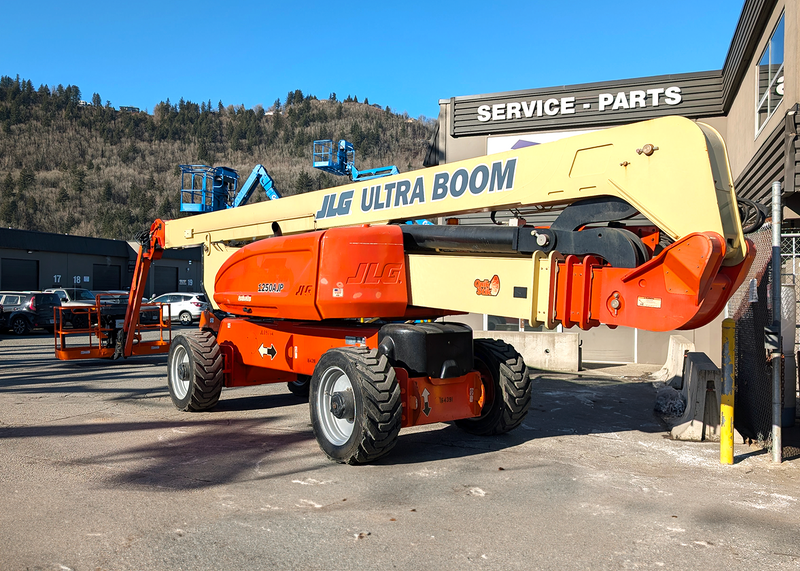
(304, 290)
(488, 287)
(373, 273)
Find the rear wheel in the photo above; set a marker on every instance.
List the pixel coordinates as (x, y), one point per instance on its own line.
(355, 405)
(506, 388)
(20, 325)
(186, 318)
(194, 371)
(301, 386)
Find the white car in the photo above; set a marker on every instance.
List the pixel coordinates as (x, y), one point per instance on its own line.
(184, 306)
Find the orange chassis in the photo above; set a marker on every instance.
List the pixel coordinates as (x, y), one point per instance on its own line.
(279, 351)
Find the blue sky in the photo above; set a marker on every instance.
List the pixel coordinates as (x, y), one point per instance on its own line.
(407, 55)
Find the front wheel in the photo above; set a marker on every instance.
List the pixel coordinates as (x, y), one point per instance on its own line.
(194, 371)
(355, 405)
(506, 388)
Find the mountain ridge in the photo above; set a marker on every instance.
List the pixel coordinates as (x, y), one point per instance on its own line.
(86, 168)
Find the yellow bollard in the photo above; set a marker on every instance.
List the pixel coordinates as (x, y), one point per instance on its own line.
(728, 386)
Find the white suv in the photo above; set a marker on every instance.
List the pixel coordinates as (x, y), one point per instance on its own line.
(185, 306)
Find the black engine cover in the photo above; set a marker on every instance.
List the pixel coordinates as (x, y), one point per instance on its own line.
(437, 350)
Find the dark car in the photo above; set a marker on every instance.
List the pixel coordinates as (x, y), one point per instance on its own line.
(23, 311)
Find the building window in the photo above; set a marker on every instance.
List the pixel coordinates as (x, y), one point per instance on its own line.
(769, 77)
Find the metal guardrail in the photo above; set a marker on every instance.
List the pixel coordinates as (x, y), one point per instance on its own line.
(98, 334)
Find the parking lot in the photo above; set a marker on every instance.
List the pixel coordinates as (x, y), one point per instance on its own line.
(100, 471)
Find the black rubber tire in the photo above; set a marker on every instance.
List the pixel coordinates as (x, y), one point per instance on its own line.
(301, 387)
(507, 386)
(378, 409)
(50, 329)
(80, 321)
(197, 385)
(185, 318)
(20, 325)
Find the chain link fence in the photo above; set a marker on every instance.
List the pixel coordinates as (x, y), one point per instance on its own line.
(790, 260)
(751, 309)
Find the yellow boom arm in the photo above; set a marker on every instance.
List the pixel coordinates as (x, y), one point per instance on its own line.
(672, 170)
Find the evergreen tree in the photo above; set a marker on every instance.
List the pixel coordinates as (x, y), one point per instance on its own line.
(202, 152)
(8, 186)
(78, 180)
(304, 183)
(26, 179)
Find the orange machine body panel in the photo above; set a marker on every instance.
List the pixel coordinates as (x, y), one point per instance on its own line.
(285, 346)
(427, 400)
(362, 273)
(684, 287)
(278, 351)
(275, 278)
(332, 274)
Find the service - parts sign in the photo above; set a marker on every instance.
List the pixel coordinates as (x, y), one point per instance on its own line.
(553, 107)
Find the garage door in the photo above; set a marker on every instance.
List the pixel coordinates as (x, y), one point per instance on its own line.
(166, 280)
(106, 277)
(19, 275)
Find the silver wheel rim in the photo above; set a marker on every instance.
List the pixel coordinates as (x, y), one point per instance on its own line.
(180, 372)
(186, 319)
(337, 431)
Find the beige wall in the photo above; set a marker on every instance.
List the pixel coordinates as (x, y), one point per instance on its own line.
(601, 344)
(738, 129)
(741, 129)
(457, 149)
(719, 123)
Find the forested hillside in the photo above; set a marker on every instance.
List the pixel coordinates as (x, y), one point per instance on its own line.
(85, 168)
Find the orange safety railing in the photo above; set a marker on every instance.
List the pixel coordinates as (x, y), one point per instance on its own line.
(96, 332)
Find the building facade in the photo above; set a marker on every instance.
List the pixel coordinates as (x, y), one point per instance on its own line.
(31, 261)
(752, 101)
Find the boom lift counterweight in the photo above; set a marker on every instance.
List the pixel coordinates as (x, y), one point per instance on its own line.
(297, 299)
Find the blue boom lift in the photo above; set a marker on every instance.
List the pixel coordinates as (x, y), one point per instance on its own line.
(208, 189)
(341, 161)
(343, 164)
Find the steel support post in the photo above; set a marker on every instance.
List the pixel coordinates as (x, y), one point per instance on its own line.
(777, 392)
(728, 388)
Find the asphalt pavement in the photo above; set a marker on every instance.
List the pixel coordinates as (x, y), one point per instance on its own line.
(100, 472)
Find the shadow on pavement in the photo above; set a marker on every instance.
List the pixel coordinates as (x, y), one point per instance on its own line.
(180, 455)
(561, 405)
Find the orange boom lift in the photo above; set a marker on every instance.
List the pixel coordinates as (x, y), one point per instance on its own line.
(334, 294)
